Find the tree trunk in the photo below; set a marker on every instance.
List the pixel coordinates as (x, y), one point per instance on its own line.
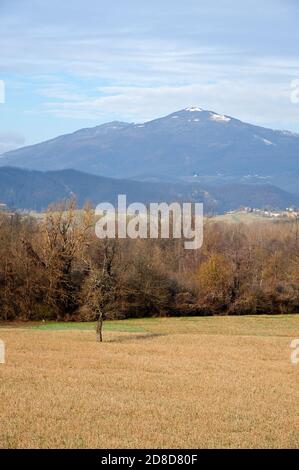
(99, 328)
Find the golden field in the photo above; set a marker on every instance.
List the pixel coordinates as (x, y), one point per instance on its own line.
(157, 383)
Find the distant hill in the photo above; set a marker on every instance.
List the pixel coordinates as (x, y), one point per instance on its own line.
(29, 189)
(191, 144)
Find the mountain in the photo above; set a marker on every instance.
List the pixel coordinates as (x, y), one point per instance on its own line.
(191, 144)
(31, 189)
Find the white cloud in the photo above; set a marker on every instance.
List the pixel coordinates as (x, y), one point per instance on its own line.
(156, 57)
(10, 141)
(61, 91)
(248, 102)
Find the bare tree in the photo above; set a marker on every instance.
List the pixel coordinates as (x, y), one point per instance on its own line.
(63, 238)
(99, 286)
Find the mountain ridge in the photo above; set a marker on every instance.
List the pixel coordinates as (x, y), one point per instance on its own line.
(35, 190)
(188, 145)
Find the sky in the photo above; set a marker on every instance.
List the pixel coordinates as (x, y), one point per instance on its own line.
(67, 65)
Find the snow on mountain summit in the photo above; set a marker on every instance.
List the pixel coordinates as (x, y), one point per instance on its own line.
(194, 109)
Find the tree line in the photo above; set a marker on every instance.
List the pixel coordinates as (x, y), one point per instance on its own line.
(55, 268)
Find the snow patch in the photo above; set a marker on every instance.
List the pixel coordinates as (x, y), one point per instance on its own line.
(266, 141)
(193, 109)
(219, 117)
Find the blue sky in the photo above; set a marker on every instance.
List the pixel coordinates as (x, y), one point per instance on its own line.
(73, 64)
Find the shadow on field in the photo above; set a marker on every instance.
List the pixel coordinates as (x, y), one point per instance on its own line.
(131, 338)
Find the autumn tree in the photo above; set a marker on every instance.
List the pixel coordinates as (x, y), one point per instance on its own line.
(59, 252)
(215, 282)
(99, 287)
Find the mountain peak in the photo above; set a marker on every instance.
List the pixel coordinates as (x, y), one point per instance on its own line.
(200, 114)
(193, 109)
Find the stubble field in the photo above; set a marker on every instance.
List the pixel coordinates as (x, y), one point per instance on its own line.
(157, 383)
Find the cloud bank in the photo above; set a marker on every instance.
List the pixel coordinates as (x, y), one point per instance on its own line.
(135, 60)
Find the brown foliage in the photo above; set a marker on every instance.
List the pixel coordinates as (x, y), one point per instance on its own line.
(56, 268)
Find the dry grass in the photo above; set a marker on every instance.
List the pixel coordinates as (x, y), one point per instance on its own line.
(202, 383)
(242, 217)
